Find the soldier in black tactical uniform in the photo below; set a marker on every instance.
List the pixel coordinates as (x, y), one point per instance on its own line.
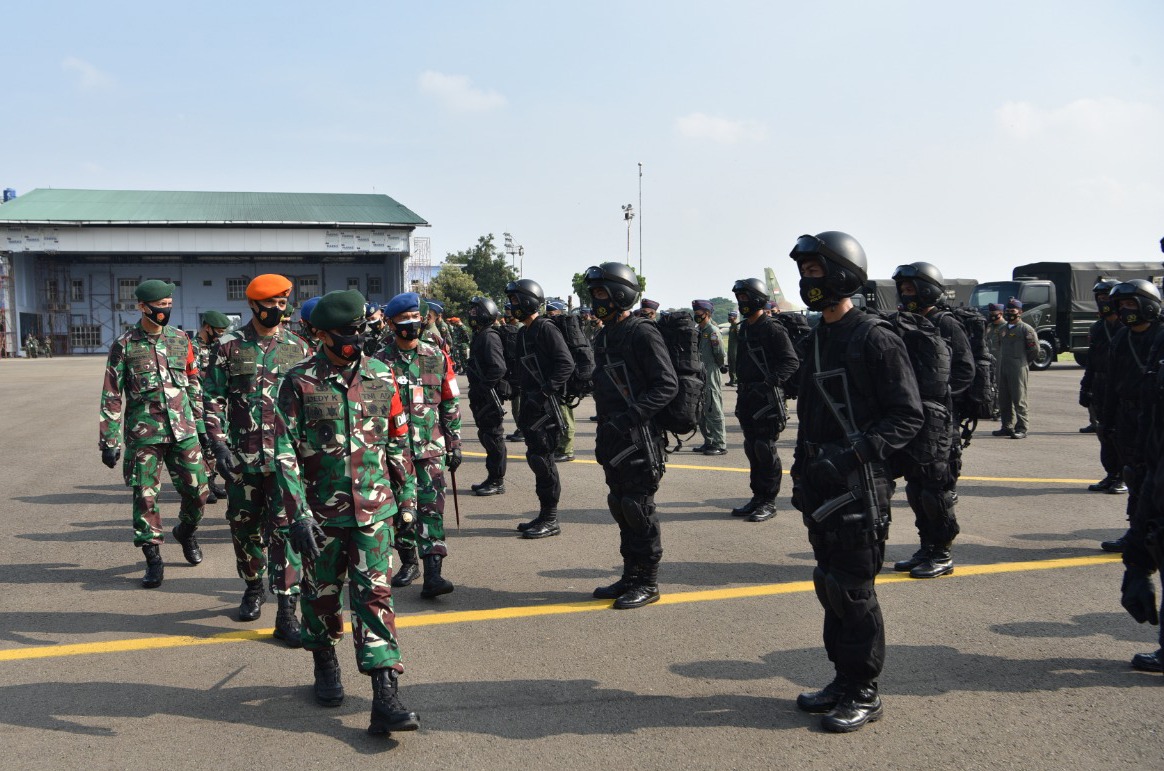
(1093, 386)
(633, 381)
(929, 487)
(545, 364)
(882, 410)
(487, 388)
(509, 328)
(765, 359)
(1125, 403)
(1143, 544)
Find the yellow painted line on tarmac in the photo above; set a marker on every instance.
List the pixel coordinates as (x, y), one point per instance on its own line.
(554, 609)
(744, 470)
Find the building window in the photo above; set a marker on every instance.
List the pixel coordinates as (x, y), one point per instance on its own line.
(306, 287)
(374, 285)
(353, 283)
(85, 336)
(236, 288)
(52, 290)
(208, 282)
(77, 290)
(125, 290)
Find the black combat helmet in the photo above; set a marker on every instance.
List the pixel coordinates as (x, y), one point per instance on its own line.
(1146, 295)
(756, 292)
(619, 281)
(482, 312)
(525, 296)
(928, 282)
(842, 257)
(1104, 285)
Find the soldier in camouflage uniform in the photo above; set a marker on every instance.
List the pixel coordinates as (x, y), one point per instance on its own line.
(214, 325)
(345, 472)
(241, 388)
(376, 333)
(459, 346)
(31, 346)
(428, 390)
(436, 330)
(306, 331)
(714, 364)
(154, 366)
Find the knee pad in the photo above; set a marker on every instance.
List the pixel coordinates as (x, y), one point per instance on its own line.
(838, 598)
(637, 513)
(818, 583)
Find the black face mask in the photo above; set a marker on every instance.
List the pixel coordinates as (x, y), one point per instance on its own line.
(814, 292)
(604, 309)
(909, 302)
(346, 347)
(374, 327)
(996, 319)
(1130, 317)
(408, 330)
(1105, 308)
(1011, 317)
(160, 316)
(268, 317)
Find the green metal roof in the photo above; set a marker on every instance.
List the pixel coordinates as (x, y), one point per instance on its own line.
(157, 207)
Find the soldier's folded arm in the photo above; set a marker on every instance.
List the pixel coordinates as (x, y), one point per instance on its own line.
(897, 394)
(288, 438)
(650, 352)
(111, 402)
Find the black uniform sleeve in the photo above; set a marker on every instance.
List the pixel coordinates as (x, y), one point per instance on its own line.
(1089, 368)
(961, 359)
(492, 362)
(651, 358)
(1111, 394)
(897, 394)
(554, 354)
(781, 354)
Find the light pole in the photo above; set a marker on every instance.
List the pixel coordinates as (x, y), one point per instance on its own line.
(511, 250)
(521, 265)
(628, 214)
(640, 219)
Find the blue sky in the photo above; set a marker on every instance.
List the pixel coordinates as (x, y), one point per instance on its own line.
(977, 137)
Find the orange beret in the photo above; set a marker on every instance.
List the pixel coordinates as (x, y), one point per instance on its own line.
(268, 285)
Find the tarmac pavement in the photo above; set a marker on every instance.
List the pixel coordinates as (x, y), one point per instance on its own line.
(1019, 659)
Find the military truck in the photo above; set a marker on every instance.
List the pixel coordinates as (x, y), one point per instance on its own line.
(881, 293)
(1057, 300)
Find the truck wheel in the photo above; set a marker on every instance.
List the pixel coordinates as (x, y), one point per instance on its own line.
(1045, 357)
(1081, 359)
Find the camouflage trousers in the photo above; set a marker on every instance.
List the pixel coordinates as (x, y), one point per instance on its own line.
(259, 527)
(428, 533)
(142, 468)
(362, 555)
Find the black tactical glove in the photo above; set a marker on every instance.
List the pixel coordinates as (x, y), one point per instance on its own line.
(307, 538)
(624, 422)
(772, 381)
(224, 461)
(723, 370)
(1085, 399)
(832, 466)
(453, 459)
(110, 456)
(1138, 596)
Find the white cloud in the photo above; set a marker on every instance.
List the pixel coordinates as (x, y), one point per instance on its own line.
(1106, 118)
(457, 92)
(699, 125)
(89, 78)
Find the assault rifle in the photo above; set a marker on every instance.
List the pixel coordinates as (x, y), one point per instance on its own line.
(862, 489)
(492, 391)
(775, 397)
(641, 438)
(553, 404)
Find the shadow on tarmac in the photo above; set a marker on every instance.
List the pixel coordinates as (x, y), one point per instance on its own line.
(701, 574)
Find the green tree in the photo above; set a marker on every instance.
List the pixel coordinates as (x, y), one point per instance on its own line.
(454, 288)
(487, 266)
(579, 284)
(721, 306)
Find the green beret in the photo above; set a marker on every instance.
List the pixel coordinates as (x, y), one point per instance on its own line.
(153, 290)
(338, 309)
(216, 319)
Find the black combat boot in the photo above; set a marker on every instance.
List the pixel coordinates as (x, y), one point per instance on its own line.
(764, 511)
(210, 496)
(1103, 485)
(747, 508)
(644, 588)
(329, 690)
(937, 563)
(184, 534)
(490, 487)
(523, 526)
(859, 705)
(218, 490)
(388, 714)
(544, 526)
(918, 558)
(253, 598)
(1116, 546)
(409, 568)
(824, 700)
(1117, 487)
(286, 622)
(155, 568)
(434, 583)
(1149, 662)
(615, 590)
(516, 436)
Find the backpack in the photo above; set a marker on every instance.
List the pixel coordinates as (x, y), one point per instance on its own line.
(581, 382)
(929, 357)
(508, 334)
(798, 329)
(980, 400)
(681, 336)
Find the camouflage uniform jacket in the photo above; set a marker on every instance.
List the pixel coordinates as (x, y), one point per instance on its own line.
(341, 444)
(202, 354)
(438, 334)
(429, 392)
(163, 391)
(241, 388)
(711, 347)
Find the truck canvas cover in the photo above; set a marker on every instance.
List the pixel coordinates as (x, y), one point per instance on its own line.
(1073, 280)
